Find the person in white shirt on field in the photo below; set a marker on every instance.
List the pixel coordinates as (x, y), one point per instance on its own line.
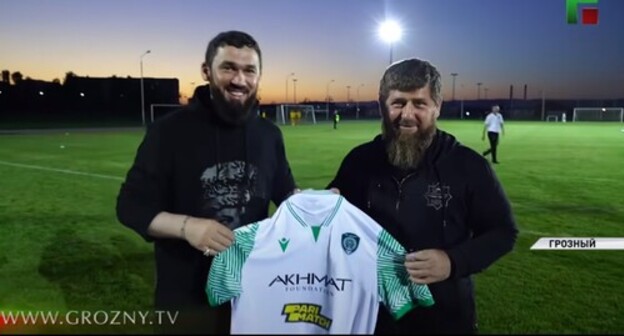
(494, 126)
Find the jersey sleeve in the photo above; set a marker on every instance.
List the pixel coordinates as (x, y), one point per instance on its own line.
(224, 278)
(396, 291)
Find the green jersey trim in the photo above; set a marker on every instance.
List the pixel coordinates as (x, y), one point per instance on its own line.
(224, 279)
(397, 292)
(403, 310)
(325, 222)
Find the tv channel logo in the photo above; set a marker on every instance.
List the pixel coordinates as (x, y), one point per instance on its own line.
(589, 14)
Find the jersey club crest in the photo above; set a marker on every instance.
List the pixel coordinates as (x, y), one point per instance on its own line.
(350, 242)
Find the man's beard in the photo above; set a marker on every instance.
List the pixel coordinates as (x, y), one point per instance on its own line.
(405, 151)
(231, 112)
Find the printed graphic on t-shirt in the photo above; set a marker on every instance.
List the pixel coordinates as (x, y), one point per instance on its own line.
(227, 188)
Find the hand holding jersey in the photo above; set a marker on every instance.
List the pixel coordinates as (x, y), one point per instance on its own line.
(428, 266)
(208, 235)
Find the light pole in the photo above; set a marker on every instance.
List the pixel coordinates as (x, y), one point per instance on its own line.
(295, 90)
(287, 78)
(192, 91)
(357, 102)
(485, 90)
(348, 93)
(390, 31)
(479, 90)
(327, 106)
(142, 92)
(454, 77)
(461, 108)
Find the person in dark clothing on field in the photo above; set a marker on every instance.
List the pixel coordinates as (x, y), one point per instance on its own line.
(201, 172)
(438, 198)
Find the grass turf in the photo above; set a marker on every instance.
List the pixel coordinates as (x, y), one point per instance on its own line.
(63, 249)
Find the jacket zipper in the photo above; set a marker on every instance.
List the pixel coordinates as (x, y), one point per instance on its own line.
(400, 188)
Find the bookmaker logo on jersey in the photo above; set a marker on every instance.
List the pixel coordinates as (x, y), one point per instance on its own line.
(311, 282)
(306, 313)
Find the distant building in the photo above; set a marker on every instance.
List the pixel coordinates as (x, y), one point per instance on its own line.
(88, 97)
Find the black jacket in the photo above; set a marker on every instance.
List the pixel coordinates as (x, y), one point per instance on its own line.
(190, 162)
(454, 202)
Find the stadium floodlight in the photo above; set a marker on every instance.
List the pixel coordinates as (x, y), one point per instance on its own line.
(142, 92)
(327, 106)
(357, 102)
(391, 32)
(287, 78)
(454, 75)
(295, 90)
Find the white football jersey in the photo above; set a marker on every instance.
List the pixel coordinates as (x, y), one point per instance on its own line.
(319, 265)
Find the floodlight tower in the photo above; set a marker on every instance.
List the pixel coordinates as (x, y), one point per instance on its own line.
(357, 102)
(391, 32)
(142, 89)
(287, 78)
(327, 106)
(454, 74)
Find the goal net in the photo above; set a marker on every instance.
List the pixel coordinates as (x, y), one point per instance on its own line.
(598, 114)
(160, 110)
(554, 118)
(295, 114)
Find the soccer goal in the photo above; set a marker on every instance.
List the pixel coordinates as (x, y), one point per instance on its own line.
(160, 110)
(295, 114)
(552, 118)
(598, 114)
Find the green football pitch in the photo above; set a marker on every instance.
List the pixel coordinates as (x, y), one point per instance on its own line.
(64, 250)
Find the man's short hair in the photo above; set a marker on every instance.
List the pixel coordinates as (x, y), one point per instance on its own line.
(232, 38)
(409, 75)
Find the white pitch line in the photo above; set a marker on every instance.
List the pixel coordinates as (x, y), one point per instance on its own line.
(545, 234)
(64, 171)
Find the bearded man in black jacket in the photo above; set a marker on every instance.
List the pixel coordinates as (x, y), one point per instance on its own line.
(441, 200)
(201, 172)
